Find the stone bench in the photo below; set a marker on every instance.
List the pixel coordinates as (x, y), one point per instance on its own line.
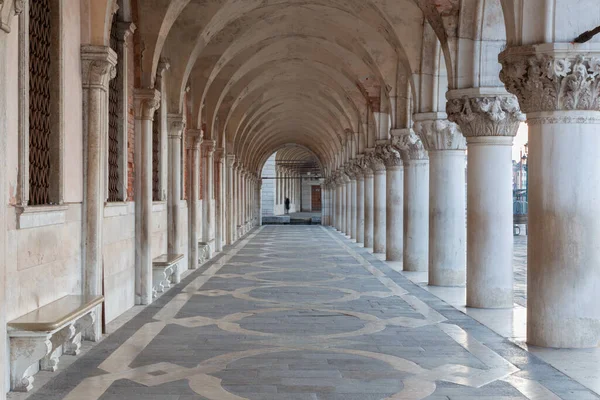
(38, 339)
(203, 252)
(165, 272)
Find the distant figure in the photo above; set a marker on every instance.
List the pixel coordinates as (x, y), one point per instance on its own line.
(287, 205)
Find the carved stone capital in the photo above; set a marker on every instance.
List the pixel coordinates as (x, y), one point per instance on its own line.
(220, 154)
(146, 101)
(209, 146)
(125, 30)
(194, 138)
(552, 77)
(494, 115)
(230, 160)
(439, 134)
(176, 124)
(8, 9)
(390, 155)
(98, 66)
(365, 165)
(410, 145)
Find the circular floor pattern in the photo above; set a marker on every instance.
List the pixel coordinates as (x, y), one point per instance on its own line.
(212, 382)
(305, 276)
(295, 294)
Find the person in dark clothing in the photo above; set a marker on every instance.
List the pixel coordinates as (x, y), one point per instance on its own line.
(287, 205)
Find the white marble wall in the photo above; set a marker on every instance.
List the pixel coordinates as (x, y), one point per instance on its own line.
(159, 228)
(119, 258)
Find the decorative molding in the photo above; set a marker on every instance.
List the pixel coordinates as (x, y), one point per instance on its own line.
(8, 9)
(495, 115)
(549, 78)
(390, 155)
(176, 125)
(98, 66)
(440, 134)
(146, 101)
(410, 145)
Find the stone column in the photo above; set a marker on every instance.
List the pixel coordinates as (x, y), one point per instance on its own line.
(343, 203)
(98, 68)
(339, 203)
(489, 119)
(447, 217)
(174, 233)
(416, 200)
(230, 199)
(353, 203)
(219, 162)
(348, 211)
(360, 204)
(394, 220)
(194, 143)
(369, 207)
(557, 87)
(208, 150)
(379, 199)
(146, 102)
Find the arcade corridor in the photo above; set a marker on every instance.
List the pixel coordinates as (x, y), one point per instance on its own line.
(300, 312)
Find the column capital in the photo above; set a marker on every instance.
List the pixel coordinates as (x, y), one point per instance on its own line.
(437, 133)
(410, 145)
(376, 159)
(390, 155)
(484, 112)
(146, 101)
(8, 9)
(124, 30)
(98, 66)
(176, 124)
(230, 160)
(552, 77)
(194, 138)
(365, 165)
(209, 146)
(220, 154)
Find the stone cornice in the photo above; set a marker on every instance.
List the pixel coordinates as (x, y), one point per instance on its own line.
(553, 76)
(484, 115)
(439, 133)
(410, 145)
(97, 66)
(146, 101)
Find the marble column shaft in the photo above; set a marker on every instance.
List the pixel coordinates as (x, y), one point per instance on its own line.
(353, 206)
(360, 207)
(416, 201)
(146, 102)
(98, 68)
(447, 201)
(563, 256)
(218, 188)
(230, 199)
(489, 121)
(369, 207)
(174, 234)
(194, 143)
(394, 222)
(379, 206)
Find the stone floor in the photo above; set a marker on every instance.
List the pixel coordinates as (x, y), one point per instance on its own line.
(300, 312)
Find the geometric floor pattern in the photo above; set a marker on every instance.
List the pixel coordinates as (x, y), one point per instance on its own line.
(301, 313)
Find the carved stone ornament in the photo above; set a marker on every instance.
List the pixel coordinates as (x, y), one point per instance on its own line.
(410, 145)
(366, 165)
(377, 161)
(146, 102)
(209, 147)
(8, 9)
(556, 80)
(390, 155)
(486, 115)
(176, 125)
(98, 66)
(440, 134)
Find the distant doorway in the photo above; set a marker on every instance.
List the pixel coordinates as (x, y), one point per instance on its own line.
(316, 198)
